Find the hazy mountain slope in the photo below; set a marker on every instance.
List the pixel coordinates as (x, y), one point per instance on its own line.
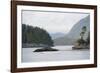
(56, 35)
(64, 41)
(74, 33)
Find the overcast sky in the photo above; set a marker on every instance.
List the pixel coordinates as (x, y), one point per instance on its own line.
(52, 22)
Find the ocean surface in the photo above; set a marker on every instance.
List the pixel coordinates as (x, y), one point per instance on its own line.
(65, 53)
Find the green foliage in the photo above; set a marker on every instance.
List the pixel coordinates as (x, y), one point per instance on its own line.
(81, 41)
(88, 39)
(83, 31)
(84, 28)
(35, 35)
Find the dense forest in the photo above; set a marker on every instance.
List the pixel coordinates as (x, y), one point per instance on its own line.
(35, 36)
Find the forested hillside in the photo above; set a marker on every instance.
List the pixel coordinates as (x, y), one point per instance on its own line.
(35, 36)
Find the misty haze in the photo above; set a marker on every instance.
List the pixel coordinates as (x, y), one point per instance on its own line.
(55, 36)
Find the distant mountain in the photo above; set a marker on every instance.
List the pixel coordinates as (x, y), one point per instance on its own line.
(63, 41)
(56, 35)
(74, 33)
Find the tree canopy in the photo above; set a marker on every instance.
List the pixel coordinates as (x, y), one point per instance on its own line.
(35, 35)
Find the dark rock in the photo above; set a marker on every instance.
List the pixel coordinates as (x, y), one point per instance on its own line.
(45, 49)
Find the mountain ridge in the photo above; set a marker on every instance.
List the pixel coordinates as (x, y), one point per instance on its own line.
(74, 33)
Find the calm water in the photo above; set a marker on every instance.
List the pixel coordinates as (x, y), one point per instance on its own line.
(65, 53)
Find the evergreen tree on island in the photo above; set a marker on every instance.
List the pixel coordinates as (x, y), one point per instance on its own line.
(82, 43)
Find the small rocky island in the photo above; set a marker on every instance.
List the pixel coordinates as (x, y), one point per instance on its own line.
(45, 49)
(82, 43)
